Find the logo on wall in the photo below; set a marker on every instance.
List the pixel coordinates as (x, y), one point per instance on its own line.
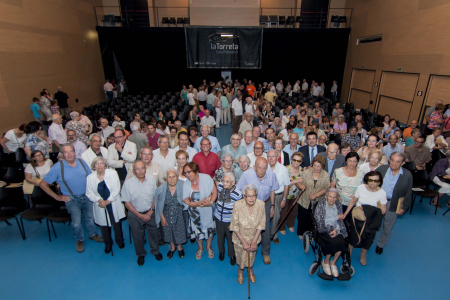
(224, 42)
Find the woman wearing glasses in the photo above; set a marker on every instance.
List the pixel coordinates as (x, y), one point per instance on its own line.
(199, 194)
(373, 197)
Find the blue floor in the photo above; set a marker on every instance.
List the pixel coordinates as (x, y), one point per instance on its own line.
(413, 266)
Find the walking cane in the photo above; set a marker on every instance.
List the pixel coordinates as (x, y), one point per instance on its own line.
(248, 272)
(106, 216)
(285, 217)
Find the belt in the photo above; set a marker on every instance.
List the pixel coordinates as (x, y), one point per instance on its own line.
(267, 200)
(279, 194)
(144, 212)
(389, 199)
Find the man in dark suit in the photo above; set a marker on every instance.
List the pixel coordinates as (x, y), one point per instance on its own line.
(397, 183)
(334, 158)
(311, 150)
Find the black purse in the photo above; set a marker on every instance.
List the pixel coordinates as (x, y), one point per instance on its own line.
(21, 156)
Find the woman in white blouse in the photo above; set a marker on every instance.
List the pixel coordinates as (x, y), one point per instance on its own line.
(374, 158)
(182, 159)
(436, 141)
(14, 139)
(103, 188)
(38, 167)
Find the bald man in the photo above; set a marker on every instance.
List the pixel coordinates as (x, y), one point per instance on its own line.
(407, 131)
(258, 151)
(335, 160)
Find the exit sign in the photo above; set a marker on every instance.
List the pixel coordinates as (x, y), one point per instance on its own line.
(399, 69)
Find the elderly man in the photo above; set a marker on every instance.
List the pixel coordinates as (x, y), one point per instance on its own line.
(335, 112)
(397, 183)
(208, 162)
(95, 149)
(246, 124)
(136, 137)
(316, 108)
(418, 153)
(178, 126)
(71, 173)
(335, 117)
(335, 160)
(407, 131)
(256, 134)
(215, 146)
(353, 139)
(164, 155)
(247, 142)
(234, 149)
(106, 129)
(311, 149)
(138, 195)
(152, 136)
(431, 110)
(266, 182)
(121, 155)
(269, 141)
(392, 146)
(280, 87)
(322, 141)
(258, 151)
(152, 168)
(57, 133)
(282, 175)
(183, 144)
(209, 121)
(79, 146)
(293, 145)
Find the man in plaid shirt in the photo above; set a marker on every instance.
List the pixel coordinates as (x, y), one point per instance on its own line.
(353, 139)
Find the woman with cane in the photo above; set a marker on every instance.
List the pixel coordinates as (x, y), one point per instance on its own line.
(247, 221)
(103, 188)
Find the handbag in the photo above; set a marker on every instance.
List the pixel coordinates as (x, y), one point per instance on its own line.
(29, 187)
(358, 214)
(21, 156)
(399, 204)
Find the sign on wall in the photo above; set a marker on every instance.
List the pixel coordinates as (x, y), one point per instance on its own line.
(223, 47)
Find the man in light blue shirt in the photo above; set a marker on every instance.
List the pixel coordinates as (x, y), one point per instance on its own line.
(293, 145)
(215, 147)
(247, 142)
(392, 146)
(269, 142)
(234, 149)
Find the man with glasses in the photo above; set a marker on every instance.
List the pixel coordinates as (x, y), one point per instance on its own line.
(208, 162)
(79, 147)
(235, 149)
(57, 133)
(353, 139)
(95, 149)
(311, 150)
(152, 168)
(269, 141)
(335, 160)
(266, 182)
(121, 155)
(138, 194)
(215, 146)
(258, 151)
(418, 153)
(164, 155)
(71, 173)
(247, 142)
(183, 144)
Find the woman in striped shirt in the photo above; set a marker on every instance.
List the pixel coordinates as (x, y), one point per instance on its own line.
(227, 195)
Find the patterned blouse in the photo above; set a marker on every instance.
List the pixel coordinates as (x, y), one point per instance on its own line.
(219, 173)
(36, 143)
(320, 214)
(79, 129)
(313, 186)
(346, 185)
(293, 189)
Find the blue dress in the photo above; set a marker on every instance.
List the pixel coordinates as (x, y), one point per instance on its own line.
(176, 229)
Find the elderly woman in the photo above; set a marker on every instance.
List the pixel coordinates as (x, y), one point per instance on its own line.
(199, 194)
(227, 166)
(169, 209)
(436, 118)
(244, 165)
(347, 179)
(435, 141)
(227, 196)
(373, 197)
(372, 145)
(35, 171)
(295, 170)
(340, 126)
(80, 129)
(441, 169)
(173, 138)
(14, 139)
(315, 182)
(182, 158)
(103, 188)
(283, 157)
(277, 126)
(247, 222)
(173, 118)
(34, 141)
(374, 161)
(331, 230)
(44, 104)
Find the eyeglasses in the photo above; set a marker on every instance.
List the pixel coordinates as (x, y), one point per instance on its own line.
(118, 137)
(297, 161)
(186, 173)
(250, 196)
(372, 180)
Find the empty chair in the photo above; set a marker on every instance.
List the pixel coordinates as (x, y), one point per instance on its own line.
(421, 180)
(60, 216)
(15, 175)
(12, 202)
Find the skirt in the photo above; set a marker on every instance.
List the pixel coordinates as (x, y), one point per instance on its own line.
(366, 237)
(331, 246)
(242, 257)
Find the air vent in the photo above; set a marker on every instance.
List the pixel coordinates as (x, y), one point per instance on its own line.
(369, 39)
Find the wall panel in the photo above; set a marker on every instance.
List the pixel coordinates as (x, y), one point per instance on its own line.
(397, 109)
(439, 88)
(399, 85)
(363, 79)
(360, 99)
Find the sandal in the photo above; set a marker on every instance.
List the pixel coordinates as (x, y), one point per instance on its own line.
(198, 254)
(435, 203)
(210, 252)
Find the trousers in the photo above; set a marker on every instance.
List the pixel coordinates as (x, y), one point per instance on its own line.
(138, 228)
(226, 118)
(276, 215)
(106, 230)
(74, 207)
(223, 232)
(218, 116)
(265, 235)
(236, 123)
(388, 223)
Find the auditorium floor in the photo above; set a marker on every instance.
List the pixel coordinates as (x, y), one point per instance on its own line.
(413, 266)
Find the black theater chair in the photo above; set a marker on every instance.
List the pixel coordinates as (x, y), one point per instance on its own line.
(12, 202)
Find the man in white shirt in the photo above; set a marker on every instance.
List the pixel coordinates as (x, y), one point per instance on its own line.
(152, 168)
(247, 142)
(201, 97)
(106, 129)
(249, 106)
(280, 87)
(296, 88)
(208, 120)
(237, 109)
(57, 133)
(334, 90)
(164, 156)
(121, 155)
(305, 86)
(246, 124)
(258, 151)
(79, 146)
(95, 149)
(183, 144)
(108, 88)
(281, 194)
(316, 91)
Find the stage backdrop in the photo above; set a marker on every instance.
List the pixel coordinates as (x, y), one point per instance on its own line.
(153, 60)
(223, 47)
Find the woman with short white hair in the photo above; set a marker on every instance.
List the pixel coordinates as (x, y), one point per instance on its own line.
(103, 188)
(80, 129)
(244, 164)
(227, 166)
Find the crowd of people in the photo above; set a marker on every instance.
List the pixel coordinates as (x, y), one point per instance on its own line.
(180, 186)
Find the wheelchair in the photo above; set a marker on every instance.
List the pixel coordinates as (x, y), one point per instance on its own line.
(311, 240)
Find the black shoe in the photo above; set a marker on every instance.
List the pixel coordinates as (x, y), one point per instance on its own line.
(181, 253)
(121, 246)
(170, 254)
(107, 250)
(192, 241)
(221, 256)
(161, 242)
(379, 250)
(233, 260)
(158, 257)
(141, 260)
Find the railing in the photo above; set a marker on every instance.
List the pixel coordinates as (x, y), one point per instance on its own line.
(340, 12)
(151, 16)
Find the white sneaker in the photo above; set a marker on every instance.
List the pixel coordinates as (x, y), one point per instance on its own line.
(334, 271)
(326, 268)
